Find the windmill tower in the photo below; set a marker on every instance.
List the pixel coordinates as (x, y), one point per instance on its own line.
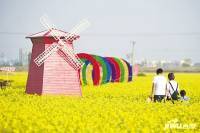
(54, 67)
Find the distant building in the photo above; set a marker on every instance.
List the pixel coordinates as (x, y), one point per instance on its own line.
(23, 57)
(29, 57)
(20, 56)
(186, 62)
(196, 64)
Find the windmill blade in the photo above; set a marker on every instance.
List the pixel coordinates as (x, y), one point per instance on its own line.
(77, 29)
(49, 26)
(72, 57)
(44, 55)
(83, 24)
(53, 48)
(74, 60)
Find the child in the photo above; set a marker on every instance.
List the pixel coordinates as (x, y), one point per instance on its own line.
(183, 96)
(172, 88)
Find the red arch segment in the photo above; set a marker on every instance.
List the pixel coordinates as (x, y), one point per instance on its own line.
(95, 64)
(117, 68)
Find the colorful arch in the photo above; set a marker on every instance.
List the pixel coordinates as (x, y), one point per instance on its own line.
(126, 76)
(109, 71)
(115, 69)
(130, 73)
(122, 71)
(105, 69)
(96, 66)
(83, 72)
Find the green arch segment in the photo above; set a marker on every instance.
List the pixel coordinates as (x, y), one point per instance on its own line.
(102, 64)
(126, 72)
(122, 70)
(83, 71)
(104, 68)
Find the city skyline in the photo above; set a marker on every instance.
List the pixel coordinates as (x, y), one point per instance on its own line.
(24, 58)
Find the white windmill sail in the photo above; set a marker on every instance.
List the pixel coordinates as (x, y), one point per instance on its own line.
(68, 51)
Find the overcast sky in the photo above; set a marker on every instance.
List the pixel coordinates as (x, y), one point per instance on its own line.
(162, 29)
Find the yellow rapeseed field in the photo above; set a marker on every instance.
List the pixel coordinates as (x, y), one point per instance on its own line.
(114, 107)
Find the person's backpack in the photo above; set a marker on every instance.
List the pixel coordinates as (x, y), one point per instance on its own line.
(175, 94)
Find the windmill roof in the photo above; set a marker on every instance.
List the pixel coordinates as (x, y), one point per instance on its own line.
(47, 33)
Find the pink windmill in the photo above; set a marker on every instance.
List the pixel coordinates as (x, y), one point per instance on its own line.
(54, 67)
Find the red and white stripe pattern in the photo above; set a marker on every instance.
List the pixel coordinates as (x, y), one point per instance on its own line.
(60, 77)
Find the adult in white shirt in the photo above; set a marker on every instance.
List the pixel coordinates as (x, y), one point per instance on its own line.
(159, 86)
(172, 88)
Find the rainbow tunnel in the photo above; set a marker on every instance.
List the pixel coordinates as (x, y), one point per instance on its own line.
(104, 69)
